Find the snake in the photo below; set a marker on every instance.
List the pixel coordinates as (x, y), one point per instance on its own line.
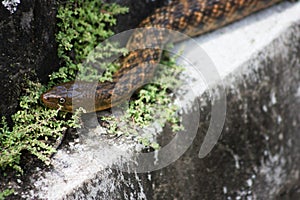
(190, 17)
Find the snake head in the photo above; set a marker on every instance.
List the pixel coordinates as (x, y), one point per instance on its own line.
(72, 95)
(91, 96)
(59, 97)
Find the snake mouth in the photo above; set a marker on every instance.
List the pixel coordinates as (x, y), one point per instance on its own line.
(49, 101)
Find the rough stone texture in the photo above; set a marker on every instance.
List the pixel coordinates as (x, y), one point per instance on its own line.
(26, 45)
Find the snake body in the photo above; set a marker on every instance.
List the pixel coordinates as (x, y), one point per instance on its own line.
(191, 17)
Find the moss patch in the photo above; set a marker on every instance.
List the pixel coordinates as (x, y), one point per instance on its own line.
(34, 129)
(6, 193)
(152, 108)
(83, 26)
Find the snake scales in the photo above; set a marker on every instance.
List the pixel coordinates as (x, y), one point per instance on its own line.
(191, 17)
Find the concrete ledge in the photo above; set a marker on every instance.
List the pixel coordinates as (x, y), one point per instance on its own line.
(256, 156)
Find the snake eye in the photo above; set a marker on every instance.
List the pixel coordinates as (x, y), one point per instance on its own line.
(62, 100)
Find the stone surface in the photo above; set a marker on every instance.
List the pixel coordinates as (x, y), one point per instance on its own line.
(257, 156)
(27, 45)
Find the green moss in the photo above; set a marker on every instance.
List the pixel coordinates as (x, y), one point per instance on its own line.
(82, 29)
(6, 193)
(34, 129)
(153, 105)
(83, 25)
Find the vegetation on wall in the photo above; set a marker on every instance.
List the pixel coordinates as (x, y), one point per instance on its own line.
(82, 29)
(35, 126)
(83, 25)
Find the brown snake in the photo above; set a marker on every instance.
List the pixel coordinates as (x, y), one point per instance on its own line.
(191, 17)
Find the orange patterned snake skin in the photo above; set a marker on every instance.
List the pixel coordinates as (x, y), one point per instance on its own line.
(190, 17)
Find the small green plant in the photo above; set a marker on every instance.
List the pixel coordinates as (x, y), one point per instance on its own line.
(153, 105)
(34, 129)
(83, 26)
(6, 193)
(82, 29)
